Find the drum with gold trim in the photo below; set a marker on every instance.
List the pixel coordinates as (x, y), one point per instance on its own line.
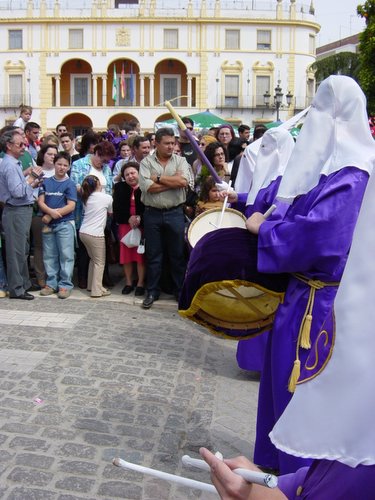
(210, 220)
(223, 290)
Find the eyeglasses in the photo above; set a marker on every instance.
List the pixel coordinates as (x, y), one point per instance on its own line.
(190, 128)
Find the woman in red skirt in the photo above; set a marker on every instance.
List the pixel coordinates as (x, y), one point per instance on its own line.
(128, 213)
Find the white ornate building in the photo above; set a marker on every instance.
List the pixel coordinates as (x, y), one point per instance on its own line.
(61, 56)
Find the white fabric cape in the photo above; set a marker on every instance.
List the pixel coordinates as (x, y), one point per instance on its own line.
(275, 150)
(335, 135)
(247, 165)
(333, 415)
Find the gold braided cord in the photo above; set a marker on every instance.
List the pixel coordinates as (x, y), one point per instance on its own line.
(305, 327)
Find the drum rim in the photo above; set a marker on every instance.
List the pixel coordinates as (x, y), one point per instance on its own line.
(213, 286)
(205, 213)
(219, 333)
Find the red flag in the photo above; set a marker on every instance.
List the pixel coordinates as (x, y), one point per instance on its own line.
(122, 82)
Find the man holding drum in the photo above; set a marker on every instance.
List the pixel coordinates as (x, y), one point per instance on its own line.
(324, 184)
(163, 178)
(330, 417)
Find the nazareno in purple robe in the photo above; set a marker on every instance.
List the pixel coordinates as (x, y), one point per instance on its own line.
(329, 480)
(314, 239)
(250, 353)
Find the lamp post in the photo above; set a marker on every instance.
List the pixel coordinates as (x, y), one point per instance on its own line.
(277, 99)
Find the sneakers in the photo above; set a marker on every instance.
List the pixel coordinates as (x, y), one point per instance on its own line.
(3, 294)
(64, 293)
(47, 290)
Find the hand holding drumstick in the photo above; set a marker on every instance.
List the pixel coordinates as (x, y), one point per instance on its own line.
(254, 222)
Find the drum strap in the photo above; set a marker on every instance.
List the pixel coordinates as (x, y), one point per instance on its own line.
(305, 327)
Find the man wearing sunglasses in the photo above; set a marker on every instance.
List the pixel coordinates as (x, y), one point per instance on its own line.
(16, 192)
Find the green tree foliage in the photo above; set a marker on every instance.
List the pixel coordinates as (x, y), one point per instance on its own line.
(343, 63)
(367, 53)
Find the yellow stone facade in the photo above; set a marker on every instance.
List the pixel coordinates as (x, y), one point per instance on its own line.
(60, 56)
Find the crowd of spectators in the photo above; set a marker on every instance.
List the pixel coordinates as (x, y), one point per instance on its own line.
(71, 201)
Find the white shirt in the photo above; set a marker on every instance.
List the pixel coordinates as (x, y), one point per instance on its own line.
(98, 173)
(95, 213)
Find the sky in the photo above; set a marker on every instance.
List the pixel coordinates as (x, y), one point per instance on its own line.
(338, 19)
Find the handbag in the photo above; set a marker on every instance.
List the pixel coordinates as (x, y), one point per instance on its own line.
(132, 238)
(141, 247)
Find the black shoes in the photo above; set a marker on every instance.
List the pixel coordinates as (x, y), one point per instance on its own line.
(127, 289)
(82, 283)
(139, 291)
(149, 300)
(23, 296)
(34, 288)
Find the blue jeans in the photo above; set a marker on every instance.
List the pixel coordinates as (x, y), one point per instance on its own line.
(164, 230)
(58, 255)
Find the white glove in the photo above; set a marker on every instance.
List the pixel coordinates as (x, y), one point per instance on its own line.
(224, 186)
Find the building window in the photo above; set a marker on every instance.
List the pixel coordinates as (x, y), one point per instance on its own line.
(76, 39)
(170, 39)
(123, 3)
(80, 90)
(15, 39)
(310, 91)
(262, 86)
(15, 90)
(263, 39)
(231, 91)
(312, 44)
(170, 86)
(232, 39)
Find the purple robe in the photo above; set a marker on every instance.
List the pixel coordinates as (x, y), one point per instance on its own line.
(250, 353)
(313, 239)
(328, 480)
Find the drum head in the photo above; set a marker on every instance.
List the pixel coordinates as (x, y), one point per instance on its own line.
(209, 221)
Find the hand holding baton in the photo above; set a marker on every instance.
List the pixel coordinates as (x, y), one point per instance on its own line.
(261, 478)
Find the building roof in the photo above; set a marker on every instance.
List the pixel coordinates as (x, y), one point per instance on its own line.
(338, 45)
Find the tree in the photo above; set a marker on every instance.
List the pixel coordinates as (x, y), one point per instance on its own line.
(342, 63)
(367, 53)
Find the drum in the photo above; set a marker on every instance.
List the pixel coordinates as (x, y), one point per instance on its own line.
(209, 220)
(224, 292)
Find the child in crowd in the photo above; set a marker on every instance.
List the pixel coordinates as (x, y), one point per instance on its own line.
(25, 115)
(209, 197)
(57, 200)
(96, 207)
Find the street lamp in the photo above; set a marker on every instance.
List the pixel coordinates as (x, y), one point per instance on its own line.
(277, 99)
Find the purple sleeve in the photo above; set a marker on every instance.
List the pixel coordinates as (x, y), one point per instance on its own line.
(240, 204)
(266, 197)
(317, 230)
(288, 483)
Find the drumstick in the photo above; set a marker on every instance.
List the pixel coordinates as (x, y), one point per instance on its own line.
(250, 476)
(224, 206)
(191, 483)
(268, 212)
(193, 142)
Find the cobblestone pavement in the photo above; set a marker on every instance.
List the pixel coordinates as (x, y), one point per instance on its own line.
(85, 380)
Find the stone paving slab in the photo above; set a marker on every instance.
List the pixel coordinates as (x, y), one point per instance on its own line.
(105, 378)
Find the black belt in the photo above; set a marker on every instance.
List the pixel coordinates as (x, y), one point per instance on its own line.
(17, 206)
(165, 209)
